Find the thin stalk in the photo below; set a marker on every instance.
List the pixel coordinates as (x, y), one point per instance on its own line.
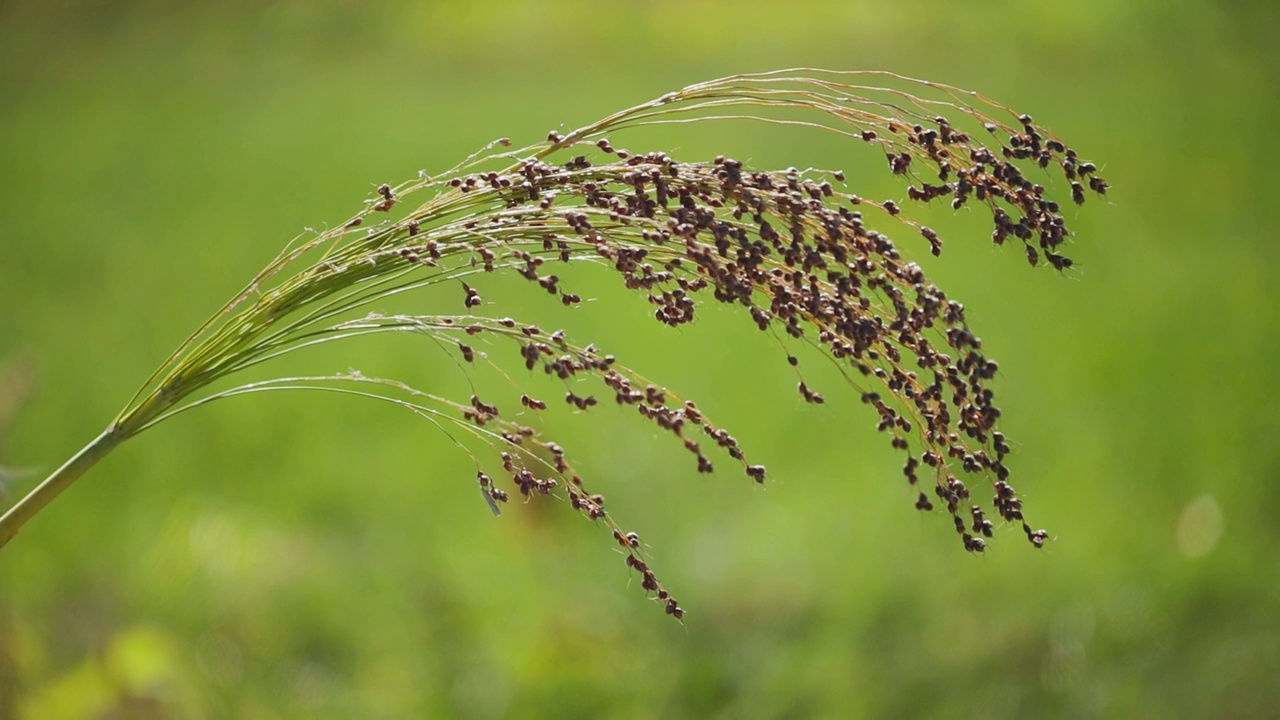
(60, 480)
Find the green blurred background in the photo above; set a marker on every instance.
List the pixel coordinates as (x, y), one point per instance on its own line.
(290, 557)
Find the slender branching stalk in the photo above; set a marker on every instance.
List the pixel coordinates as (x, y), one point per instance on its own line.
(794, 249)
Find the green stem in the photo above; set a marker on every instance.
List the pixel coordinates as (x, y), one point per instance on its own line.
(60, 480)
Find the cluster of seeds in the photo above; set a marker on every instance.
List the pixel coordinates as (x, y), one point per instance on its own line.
(802, 259)
(794, 249)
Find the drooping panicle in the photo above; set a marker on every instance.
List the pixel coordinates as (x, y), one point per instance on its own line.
(805, 260)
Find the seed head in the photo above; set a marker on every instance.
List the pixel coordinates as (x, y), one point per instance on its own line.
(793, 253)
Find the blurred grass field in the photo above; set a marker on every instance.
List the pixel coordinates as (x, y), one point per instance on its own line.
(290, 557)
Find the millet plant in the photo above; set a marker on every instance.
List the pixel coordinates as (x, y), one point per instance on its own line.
(802, 257)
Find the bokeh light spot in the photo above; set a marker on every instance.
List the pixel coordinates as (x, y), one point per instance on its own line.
(1200, 527)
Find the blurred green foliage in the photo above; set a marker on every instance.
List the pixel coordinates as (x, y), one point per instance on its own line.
(288, 557)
